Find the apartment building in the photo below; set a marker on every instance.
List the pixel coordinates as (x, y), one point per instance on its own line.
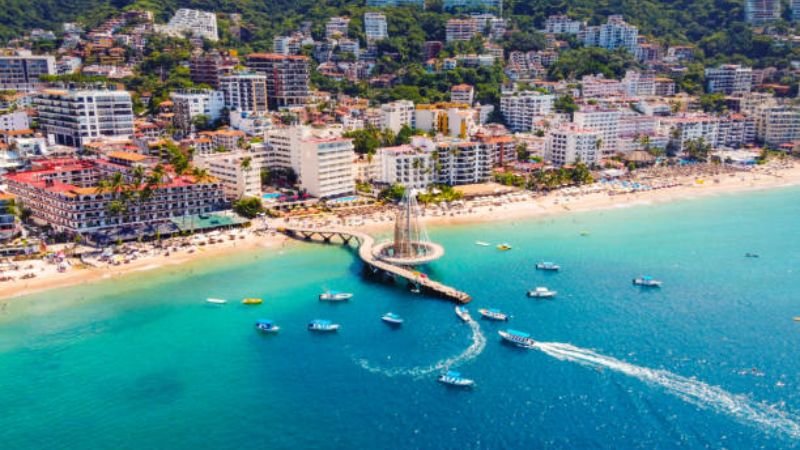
(560, 24)
(760, 12)
(398, 114)
(598, 86)
(461, 29)
(462, 93)
(192, 22)
(326, 167)
(189, 104)
(336, 27)
(603, 121)
(210, 67)
(521, 108)
(389, 3)
(287, 78)
(375, 27)
(569, 143)
(75, 117)
(729, 79)
(777, 124)
(238, 172)
(682, 129)
(614, 34)
(458, 162)
(413, 167)
(245, 92)
(21, 72)
(8, 220)
(17, 120)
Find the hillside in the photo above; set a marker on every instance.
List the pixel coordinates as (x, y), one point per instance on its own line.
(715, 25)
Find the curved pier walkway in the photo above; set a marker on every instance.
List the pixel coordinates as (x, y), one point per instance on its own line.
(366, 244)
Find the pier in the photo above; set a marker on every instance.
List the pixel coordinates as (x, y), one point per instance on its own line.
(367, 252)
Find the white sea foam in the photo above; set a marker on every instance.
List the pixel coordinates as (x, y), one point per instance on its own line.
(475, 348)
(741, 407)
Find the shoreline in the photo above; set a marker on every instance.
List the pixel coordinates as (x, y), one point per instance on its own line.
(531, 207)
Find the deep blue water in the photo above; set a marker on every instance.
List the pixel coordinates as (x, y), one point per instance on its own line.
(709, 360)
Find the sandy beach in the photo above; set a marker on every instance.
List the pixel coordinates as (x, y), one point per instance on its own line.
(519, 205)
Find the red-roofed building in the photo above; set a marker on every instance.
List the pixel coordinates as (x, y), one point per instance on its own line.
(64, 194)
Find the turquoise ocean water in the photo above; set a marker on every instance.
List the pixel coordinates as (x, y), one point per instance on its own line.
(710, 360)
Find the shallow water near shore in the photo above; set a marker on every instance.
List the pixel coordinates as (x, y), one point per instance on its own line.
(707, 360)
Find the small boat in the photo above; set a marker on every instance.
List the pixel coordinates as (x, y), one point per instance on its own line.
(252, 301)
(542, 292)
(751, 255)
(796, 318)
(335, 296)
(493, 314)
(504, 247)
(455, 379)
(463, 313)
(584, 233)
(414, 289)
(518, 338)
(267, 326)
(392, 318)
(546, 265)
(322, 325)
(482, 243)
(646, 281)
(216, 301)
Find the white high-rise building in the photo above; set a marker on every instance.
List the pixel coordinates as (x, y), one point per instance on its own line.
(194, 22)
(729, 79)
(188, 105)
(605, 122)
(615, 33)
(398, 114)
(570, 143)
(326, 166)
(682, 129)
(462, 93)
(75, 117)
(522, 108)
(375, 26)
(17, 120)
(562, 25)
(777, 124)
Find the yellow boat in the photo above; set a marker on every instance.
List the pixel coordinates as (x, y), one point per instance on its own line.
(252, 301)
(797, 318)
(504, 247)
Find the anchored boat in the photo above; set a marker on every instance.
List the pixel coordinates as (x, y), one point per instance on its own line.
(267, 326)
(216, 301)
(547, 265)
(482, 243)
(252, 301)
(518, 338)
(455, 379)
(335, 296)
(646, 281)
(542, 292)
(493, 314)
(322, 325)
(504, 246)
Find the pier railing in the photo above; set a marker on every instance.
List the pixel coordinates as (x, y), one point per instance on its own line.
(366, 245)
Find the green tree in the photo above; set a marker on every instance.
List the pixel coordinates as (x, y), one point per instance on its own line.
(249, 207)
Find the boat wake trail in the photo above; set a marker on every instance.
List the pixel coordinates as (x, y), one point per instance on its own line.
(475, 348)
(700, 394)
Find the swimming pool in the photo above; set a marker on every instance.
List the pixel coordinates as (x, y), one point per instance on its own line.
(271, 196)
(351, 198)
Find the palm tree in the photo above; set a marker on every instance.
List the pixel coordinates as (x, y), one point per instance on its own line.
(201, 175)
(246, 163)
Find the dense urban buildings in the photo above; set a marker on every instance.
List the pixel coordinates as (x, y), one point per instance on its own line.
(22, 70)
